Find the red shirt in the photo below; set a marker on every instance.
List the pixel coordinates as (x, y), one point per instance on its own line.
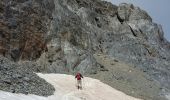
(78, 76)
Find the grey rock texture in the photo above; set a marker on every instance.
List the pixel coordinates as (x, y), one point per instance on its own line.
(16, 79)
(82, 28)
(23, 28)
(75, 33)
(75, 30)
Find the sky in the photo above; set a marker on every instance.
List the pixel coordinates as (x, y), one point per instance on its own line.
(159, 10)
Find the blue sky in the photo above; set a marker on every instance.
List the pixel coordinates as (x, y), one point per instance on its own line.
(159, 10)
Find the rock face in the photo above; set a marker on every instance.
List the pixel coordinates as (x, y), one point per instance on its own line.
(72, 31)
(24, 26)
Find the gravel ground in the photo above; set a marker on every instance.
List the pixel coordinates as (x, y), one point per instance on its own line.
(18, 79)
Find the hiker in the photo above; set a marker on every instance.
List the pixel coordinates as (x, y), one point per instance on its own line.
(79, 82)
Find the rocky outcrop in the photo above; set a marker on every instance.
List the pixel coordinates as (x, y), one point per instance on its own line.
(24, 27)
(72, 31)
(127, 12)
(82, 28)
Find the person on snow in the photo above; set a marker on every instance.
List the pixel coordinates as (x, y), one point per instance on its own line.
(79, 81)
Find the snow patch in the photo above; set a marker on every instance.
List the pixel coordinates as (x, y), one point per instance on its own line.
(65, 89)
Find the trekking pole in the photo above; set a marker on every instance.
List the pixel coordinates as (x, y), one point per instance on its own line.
(83, 83)
(75, 83)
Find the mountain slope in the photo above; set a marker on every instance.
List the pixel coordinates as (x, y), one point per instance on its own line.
(62, 36)
(127, 78)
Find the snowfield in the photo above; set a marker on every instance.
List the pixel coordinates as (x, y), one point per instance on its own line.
(65, 89)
